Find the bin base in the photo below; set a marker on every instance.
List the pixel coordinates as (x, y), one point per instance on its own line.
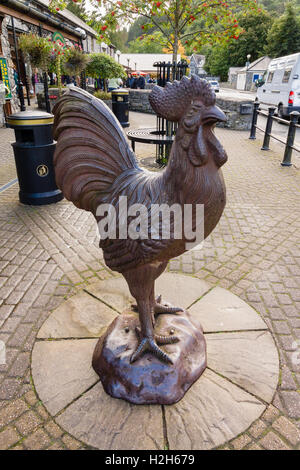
(40, 199)
(125, 124)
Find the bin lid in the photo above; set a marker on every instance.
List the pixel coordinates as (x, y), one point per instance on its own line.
(30, 118)
(120, 91)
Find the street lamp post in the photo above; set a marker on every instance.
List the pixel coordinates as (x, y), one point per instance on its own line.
(118, 54)
(248, 61)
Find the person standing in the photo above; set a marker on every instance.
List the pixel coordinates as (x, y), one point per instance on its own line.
(140, 81)
(114, 83)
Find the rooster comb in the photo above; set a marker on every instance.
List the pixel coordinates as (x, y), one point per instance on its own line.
(172, 101)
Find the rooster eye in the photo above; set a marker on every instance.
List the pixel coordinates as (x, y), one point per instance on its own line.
(196, 108)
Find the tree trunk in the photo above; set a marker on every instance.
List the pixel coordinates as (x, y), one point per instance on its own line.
(175, 49)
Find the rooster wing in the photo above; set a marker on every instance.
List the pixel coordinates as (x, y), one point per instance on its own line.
(95, 165)
(91, 150)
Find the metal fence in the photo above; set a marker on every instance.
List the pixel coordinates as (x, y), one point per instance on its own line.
(167, 72)
(289, 142)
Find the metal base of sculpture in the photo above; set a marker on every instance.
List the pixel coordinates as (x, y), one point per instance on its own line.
(149, 380)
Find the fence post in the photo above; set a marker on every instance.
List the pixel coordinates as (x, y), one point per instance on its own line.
(254, 120)
(266, 144)
(290, 139)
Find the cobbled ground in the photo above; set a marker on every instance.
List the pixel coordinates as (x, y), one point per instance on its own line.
(49, 253)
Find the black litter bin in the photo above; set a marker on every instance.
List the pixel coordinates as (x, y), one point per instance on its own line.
(120, 105)
(33, 150)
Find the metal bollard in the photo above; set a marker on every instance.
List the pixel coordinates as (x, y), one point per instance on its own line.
(266, 144)
(254, 120)
(290, 139)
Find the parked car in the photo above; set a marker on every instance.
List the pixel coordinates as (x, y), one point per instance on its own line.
(215, 85)
(281, 85)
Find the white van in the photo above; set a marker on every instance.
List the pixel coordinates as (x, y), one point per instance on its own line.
(281, 85)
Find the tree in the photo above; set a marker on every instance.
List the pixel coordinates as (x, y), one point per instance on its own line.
(104, 66)
(119, 39)
(256, 26)
(284, 36)
(78, 9)
(150, 45)
(277, 6)
(173, 18)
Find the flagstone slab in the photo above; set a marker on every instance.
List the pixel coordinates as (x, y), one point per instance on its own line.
(212, 412)
(62, 371)
(113, 292)
(177, 289)
(231, 394)
(111, 424)
(81, 316)
(249, 359)
(220, 310)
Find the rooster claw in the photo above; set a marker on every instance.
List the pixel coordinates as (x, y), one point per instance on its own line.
(149, 345)
(165, 307)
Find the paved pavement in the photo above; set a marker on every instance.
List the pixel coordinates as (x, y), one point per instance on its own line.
(232, 93)
(49, 253)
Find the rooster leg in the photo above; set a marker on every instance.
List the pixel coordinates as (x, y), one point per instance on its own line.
(147, 338)
(141, 285)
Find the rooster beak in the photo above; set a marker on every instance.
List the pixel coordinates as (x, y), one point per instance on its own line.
(212, 115)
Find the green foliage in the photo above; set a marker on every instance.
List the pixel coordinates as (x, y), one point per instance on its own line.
(152, 44)
(75, 61)
(284, 36)
(102, 95)
(104, 66)
(78, 9)
(38, 49)
(173, 18)
(253, 40)
(218, 62)
(234, 53)
(277, 6)
(119, 39)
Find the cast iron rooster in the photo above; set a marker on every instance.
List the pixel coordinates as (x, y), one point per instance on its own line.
(95, 165)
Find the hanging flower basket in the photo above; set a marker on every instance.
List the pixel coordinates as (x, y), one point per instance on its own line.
(38, 49)
(75, 61)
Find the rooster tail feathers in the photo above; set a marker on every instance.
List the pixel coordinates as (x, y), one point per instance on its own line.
(92, 150)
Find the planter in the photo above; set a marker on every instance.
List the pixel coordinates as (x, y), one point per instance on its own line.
(54, 94)
(108, 103)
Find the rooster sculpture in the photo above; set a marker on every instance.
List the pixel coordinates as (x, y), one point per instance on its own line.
(94, 165)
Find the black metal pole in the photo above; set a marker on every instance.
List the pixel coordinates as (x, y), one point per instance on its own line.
(266, 144)
(46, 92)
(290, 139)
(45, 80)
(27, 91)
(20, 84)
(83, 75)
(254, 120)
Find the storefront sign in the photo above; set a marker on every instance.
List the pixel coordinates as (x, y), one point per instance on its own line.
(56, 36)
(4, 77)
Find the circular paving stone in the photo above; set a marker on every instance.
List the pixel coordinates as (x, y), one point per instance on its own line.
(234, 390)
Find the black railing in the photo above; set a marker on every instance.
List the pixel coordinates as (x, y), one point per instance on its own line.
(289, 143)
(167, 72)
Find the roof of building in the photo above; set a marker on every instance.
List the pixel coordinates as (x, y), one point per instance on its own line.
(198, 58)
(70, 17)
(234, 69)
(260, 64)
(145, 61)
